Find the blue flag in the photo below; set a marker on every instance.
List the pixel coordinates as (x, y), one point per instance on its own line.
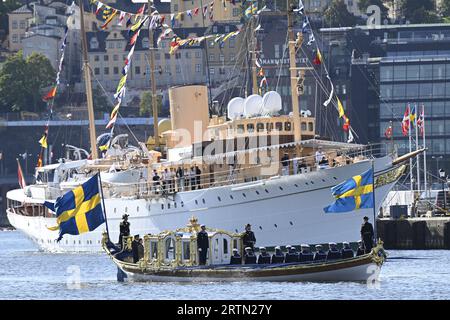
(79, 210)
(353, 194)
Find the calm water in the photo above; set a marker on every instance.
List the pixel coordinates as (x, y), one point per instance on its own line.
(26, 273)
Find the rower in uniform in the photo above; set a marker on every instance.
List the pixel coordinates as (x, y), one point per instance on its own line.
(367, 235)
(346, 251)
(263, 257)
(236, 257)
(249, 257)
(320, 255)
(333, 253)
(360, 251)
(305, 254)
(278, 256)
(291, 255)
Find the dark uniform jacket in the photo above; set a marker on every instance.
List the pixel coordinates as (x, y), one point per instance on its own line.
(277, 258)
(236, 259)
(249, 258)
(347, 253)
(320, 256)
(306, 256)
(367, 230)
(202, 240)
(135, 250)
(291, 257)
(333, 255)
(249, 239)
(125, 228)
(263, 258)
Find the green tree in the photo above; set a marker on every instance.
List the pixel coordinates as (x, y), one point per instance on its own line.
(145, 106)
(444, 10)
(420, 11)
(337, 15)
(23, 82)
(100, 100)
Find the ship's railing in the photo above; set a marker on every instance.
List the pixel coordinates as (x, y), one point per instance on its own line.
(237, 174)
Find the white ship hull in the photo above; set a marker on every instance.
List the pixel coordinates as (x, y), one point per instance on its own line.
(282, 210)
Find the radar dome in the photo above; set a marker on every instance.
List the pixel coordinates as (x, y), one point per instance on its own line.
(271, 102)
(253, 105)
(235, 108)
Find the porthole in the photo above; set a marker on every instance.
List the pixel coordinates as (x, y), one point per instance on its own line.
(323, 180)
(162, 206)
(296, 185)
(290, 222)
(334, 178)
(312, 182)
(306, 183)
(260, 228)
(218, 198)
(137, 209)
(168, 206)
(196, 202)
(281, 188)
(257, 192)
(203, 200)
(267, 191)
(175, 205)
(244, 195)
(231, 197)
(236, 230)
(182, 204)
(275, 225)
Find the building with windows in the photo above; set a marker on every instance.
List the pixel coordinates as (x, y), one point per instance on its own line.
(18, 21)
(393, 66)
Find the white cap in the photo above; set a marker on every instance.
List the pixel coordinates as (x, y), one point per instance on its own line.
(345, 242)
(235, 250)
(304, 245)
(318, 246)
(248, 248)
(288, 246)
(277, 248)
(332, 243)
(262, 248)
(359, 241)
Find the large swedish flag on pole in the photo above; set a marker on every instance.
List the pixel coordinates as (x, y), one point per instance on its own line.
(79, 210)
(353, 194)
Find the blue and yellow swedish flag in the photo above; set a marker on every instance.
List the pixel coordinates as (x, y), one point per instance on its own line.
(251, 10)
(353, 194)
(79, 210)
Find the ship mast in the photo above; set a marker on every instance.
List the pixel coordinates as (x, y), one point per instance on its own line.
(293, 71)
(152, 78)
(88, 83)
(253, 35)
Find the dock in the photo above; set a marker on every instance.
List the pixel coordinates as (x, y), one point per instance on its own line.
(415, 233)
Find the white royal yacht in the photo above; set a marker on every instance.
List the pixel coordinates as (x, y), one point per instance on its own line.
(254, 166)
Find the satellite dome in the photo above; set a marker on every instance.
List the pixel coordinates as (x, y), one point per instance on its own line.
(271, 102)
(253, 105)
(235, 108)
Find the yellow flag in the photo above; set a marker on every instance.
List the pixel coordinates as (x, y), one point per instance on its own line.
(340, 108)
(43, 141)
(121, 83)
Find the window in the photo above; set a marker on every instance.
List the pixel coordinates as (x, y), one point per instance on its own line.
(303, 126)
(221, 57)
(197, 54)
(287, 126)
(119, 45)
(167, 69)
(170, 249)
(250, 127)
(211, 57)
(145, 43)
(232, 42)
(157, 56)
(221, 70)
(279, 126)
(110, 45)
(232, 57)
(197, 68)
(14, 24)
(22, 24)
(115, 57)
(153, 249)
(236, 12)
(227, 29)
(137, 57)
(14, 38)
(94, 43)
(178, 69)
(277, 51)
(240, 128)
(96, 71)
(106, 70)
(187, 55)
(413, 72)
(259, 127)
(116, 70)
(96, 58)
(386, 73)
(426, 90)
(105, 57)
(439, 89)
(426, 72)
(225, 246)
(137, 70)
(211, 71)
(186, 250)
(399, 72)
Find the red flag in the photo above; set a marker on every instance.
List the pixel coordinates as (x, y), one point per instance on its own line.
(141, 10)
(196, 10)
(388, 132)
(22, 182)
(318, 58)
(346, 124)
(50, 95)
(134, 38)
(405, 122)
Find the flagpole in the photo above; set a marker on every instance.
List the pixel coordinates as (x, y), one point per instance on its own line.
(410, 163)
(417, 148)
(374, 203)
(425, 152)
(103, 202)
